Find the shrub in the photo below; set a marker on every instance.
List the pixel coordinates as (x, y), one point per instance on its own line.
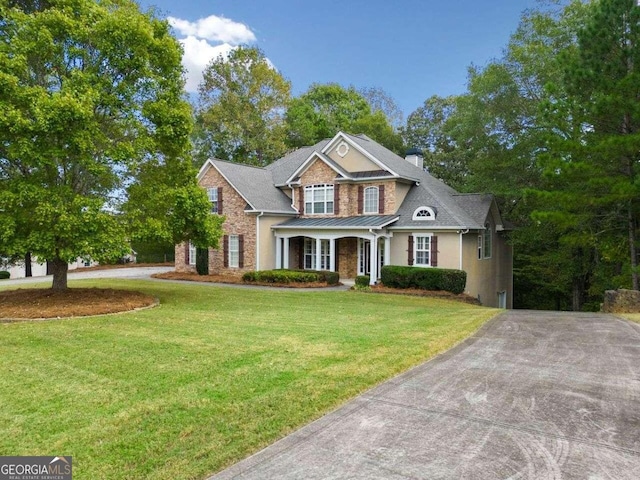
(291, 276)
(202, 261)
(362, 281)
(424, 278)
(4, 275)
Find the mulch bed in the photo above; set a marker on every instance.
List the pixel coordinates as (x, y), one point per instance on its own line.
(37, 303)
(425, 293)
(233, 279)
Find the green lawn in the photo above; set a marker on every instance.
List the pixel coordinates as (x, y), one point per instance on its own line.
(634, 317)
(208, 377)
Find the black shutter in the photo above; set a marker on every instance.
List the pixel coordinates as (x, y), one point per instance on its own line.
(336, 199)
(240, 251)
(301, 253)
(381, 199)
(225, 250)
(434, 251)
(360, 199)
(186, 253)
(219, 212)
(410, 251)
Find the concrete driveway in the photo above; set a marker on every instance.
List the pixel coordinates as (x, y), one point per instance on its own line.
(533, 395)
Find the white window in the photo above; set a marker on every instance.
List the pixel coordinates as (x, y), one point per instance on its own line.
(192, 254)
(234, 251)
(212, 193)
(487, 241)
(371, 196)
(424, 213)
(310, 257)
(422, 251)
(318, 199)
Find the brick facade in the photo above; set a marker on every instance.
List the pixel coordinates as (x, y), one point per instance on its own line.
(236, 223)
(320, 173)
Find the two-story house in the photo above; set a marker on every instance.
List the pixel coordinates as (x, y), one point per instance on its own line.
(350, 205)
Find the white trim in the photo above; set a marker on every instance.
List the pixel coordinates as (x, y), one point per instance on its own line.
(340, 145)
(415, 249)
(340, 135)
(258, 241)
(307, 164)
(376, 210)
(416, 218)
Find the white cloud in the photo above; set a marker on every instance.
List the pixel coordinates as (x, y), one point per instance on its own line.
(215, 29)
(197, 55)
(199, 43)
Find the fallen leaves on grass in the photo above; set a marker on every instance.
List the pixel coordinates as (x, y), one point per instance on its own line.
(233, 279)
(73, 302)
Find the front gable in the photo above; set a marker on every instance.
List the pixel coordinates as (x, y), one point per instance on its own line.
(351, 157)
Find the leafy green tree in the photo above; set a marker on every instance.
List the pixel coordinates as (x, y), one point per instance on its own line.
(430, 129)
(600, 163)
(240, 117)
(91, 97)
(380, 101)
(324, 110)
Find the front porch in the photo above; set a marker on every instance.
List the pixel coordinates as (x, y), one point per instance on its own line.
(336, 245)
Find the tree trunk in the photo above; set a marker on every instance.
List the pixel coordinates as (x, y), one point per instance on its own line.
(632, 250)
(27, 265)
(59, 269)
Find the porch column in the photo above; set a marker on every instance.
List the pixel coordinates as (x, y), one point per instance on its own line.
(278, 252)
(387, 250)
(318, 253)
(332, 254)
(285, 254)
(373, 260)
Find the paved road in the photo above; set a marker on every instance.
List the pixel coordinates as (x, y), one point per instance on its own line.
(128, 273)
(534, 395)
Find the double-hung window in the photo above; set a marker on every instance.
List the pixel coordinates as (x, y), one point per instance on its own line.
(371, 199)
(212, 193)
(422, 250)
(234, 251)
(192, 254)
(318, 199)
(485, 242)
(311, 257)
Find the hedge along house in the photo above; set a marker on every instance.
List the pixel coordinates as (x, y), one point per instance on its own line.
(350, 205)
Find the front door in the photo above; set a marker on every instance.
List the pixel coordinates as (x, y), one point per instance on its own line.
(364, 256)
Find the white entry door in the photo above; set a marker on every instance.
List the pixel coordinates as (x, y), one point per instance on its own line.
(364, 256)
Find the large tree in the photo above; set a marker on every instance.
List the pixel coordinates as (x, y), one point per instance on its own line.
(599, 163)
(91, 101)
(325, 109)
(240, 115)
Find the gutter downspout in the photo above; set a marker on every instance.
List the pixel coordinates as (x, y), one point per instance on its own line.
(293, 198)
(462, 232)
(258, 240)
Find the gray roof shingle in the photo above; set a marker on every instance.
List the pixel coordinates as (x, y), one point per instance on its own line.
(454, 210)
(256, 185)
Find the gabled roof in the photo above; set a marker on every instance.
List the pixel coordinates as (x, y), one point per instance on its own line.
(281, 169)
(254, 184)
(261, 188)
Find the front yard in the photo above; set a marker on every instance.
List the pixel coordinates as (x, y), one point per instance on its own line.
(208, 377)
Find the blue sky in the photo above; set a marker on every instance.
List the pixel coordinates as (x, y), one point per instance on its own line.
(412, 49)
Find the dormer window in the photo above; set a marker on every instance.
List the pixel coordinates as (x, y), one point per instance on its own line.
(424, 213)
(318, 199)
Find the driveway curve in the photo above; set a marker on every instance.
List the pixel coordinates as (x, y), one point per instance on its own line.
(533, 395)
